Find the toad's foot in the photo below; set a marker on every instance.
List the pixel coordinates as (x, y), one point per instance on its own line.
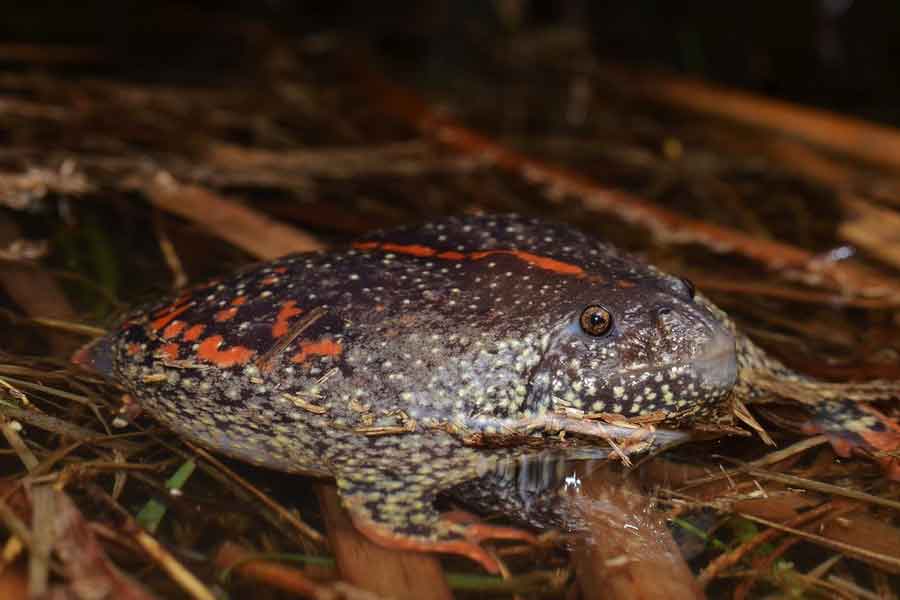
(446, 535)
(849, 426)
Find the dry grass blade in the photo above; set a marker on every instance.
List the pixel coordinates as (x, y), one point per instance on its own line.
(58, 526)
(874, 229)
(69, 326)
(301, 527)
(170, 254)
(769, 459)
(43, 508)
(227, 219)
(762, 565)
(88, 569)
(62, 427)
(724, 561)
(398, 159)
(883, 560)
(188, 582)
(825, 488)
(861, 529)
(861, 139)
(263, 363)
(746, 417)
(814, 392)
(781, 292)
(852, 589)
(230, 556)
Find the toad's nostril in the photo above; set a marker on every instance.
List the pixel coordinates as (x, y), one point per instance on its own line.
(664, 324)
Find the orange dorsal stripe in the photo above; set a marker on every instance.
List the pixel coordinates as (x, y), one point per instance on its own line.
(535, 260)
(541, 262)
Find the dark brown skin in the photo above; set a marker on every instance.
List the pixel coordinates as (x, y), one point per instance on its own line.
(423, 358)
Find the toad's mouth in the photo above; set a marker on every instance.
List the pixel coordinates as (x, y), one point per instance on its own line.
(714, 368)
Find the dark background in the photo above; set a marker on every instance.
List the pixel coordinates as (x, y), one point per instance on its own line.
(838, 54)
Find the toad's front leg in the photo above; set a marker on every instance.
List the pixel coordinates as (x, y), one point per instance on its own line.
(390, 496)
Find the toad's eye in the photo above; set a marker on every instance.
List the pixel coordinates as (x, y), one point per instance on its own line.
(595, 320)
(689, 287)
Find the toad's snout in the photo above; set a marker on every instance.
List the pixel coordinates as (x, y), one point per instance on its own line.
(715, 367)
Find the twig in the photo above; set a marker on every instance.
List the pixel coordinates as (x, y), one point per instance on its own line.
(170, 254)
(263, 363)
(882, 559)
(851, 588)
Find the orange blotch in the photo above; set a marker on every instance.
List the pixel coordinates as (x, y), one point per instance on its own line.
(174, 328)
(194, 333)
(412, 249)
(239, 301)
(227, 314)
(288, 310)
(365, 245)
(170, 351)
(167, 317)
(886, 441)
(236, 355)
(132, 349)
(281, 270)
(541, 262)
(324, 347)
(269, 280)
(451, 255)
